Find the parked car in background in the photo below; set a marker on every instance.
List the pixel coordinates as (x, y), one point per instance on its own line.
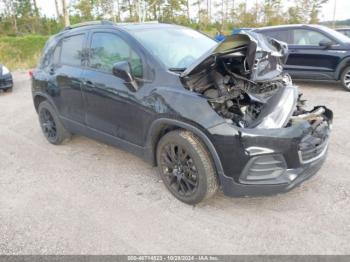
(236, 31)
(344, 31)
(6, 82)
(315, 52)
(208, 114)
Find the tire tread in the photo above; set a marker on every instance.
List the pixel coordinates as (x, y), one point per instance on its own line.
(62, 134)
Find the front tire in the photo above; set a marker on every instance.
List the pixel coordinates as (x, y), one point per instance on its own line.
(51, 125)
(345, 78)
(185, 167)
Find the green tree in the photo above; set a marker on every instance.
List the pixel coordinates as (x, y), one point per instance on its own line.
(272, 12)
(85, 9)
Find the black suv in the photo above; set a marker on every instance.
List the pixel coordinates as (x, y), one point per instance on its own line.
(315, 52)
(207, 114)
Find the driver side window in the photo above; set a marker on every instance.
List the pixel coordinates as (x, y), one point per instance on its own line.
(308, 37)
(108, 49)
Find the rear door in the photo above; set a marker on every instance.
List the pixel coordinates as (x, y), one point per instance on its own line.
(65, 74)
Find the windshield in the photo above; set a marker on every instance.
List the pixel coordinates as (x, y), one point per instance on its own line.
(177, 48)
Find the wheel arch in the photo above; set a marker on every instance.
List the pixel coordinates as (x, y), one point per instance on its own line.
(342, 65)
(40, 97)
(164, 125)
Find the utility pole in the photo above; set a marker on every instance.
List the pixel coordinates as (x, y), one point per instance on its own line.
(334, 11)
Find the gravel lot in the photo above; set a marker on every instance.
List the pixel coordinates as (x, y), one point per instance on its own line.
(85, 197)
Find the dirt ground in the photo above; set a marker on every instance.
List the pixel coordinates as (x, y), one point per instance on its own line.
(85, 197)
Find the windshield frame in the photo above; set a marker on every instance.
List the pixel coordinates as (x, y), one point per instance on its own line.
(133, 33)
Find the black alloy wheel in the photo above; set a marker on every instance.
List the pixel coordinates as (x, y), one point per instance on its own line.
(179, 169)
(48, 124)
(51, 125)
(186, 167)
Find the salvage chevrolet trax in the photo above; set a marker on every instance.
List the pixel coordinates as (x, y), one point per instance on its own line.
(208, 114)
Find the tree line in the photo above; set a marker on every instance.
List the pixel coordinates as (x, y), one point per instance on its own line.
(18, 17)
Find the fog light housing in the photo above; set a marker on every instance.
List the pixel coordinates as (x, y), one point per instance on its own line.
(266, 169)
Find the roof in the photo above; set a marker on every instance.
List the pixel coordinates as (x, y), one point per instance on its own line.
(143, 26)
(125, 26)
(288, 26)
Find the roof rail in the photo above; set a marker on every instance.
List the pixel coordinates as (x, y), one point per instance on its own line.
(137, 23)
(98, 22)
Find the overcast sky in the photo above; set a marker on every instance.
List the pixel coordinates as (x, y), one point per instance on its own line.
(342, 11)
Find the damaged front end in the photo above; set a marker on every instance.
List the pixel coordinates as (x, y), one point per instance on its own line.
(243, 81)
(282, 143)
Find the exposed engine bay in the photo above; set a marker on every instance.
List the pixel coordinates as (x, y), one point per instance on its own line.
(243, 81)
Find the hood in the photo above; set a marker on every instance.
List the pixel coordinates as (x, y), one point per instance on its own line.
(264, 56)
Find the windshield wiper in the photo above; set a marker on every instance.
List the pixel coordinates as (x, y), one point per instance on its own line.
(177, 69)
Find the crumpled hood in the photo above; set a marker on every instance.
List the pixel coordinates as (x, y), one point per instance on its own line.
(264, 57)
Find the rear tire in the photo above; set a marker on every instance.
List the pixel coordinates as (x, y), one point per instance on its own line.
(345, 78)
(51, 125)
(8, 89)
(185, 167)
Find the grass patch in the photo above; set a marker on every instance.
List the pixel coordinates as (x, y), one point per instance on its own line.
(21, 52)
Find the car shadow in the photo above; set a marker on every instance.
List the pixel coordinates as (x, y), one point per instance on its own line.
(3, 93)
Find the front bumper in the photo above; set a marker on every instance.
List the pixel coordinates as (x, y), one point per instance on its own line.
(234, 189)
(300, 162)
(6, 81)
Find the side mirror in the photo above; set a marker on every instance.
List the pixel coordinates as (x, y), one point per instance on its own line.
(123, 70)
(325, 43)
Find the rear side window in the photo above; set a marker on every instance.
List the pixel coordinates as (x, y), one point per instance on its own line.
(308, 37)
(108, 49)
(72, 47)
(281, 35)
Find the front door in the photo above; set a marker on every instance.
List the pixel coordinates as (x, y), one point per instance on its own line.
(307, 59)
(111, 107)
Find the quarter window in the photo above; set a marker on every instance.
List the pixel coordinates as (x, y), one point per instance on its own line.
(108, 49)
(308, 37)
(71, 53)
